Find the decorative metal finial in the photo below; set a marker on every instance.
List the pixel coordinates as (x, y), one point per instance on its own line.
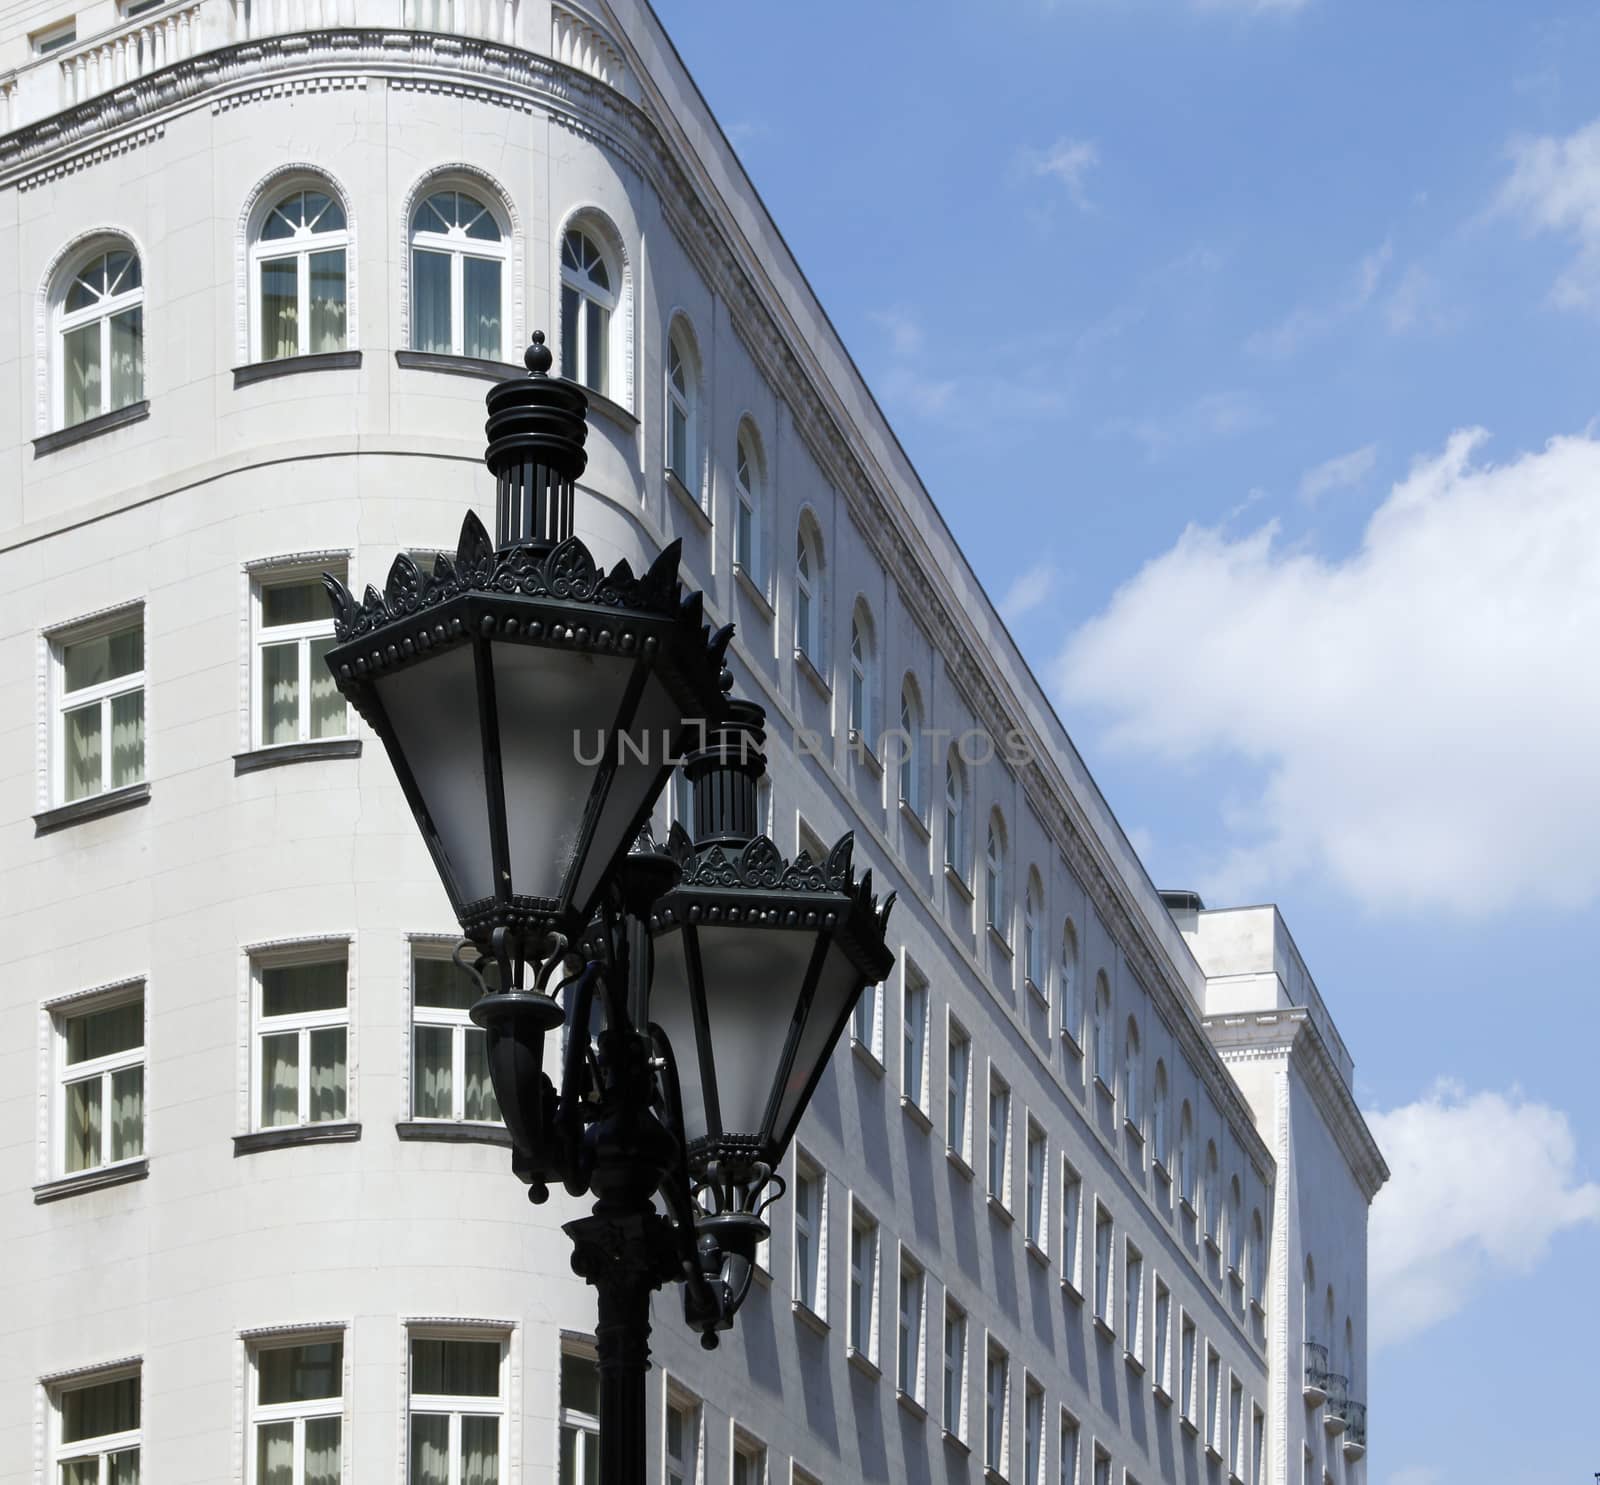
(537, 357)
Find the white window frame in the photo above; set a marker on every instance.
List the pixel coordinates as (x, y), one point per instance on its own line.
(913, 760)
(460, 1026)
(996, 1450)
(1036, 1215)
(1188, 1365)
(1034, 974)
(319, 951)
(815, 1228)
(105, 310)
(585, 1426)
(459, 1407)
(1033, 1412)
(98, 1447)
(1071, 986)
(911, 1325)
(103, 1068)
(1213, 1398)
(300, 1413)
(808, 588)
(301, 246)
(957, 1326)
(863, 701)
(1133, 1078)
(1071, 1225)
(1070, 1448)
(1258, 1444)
(1160, 1116)
(999, 1163)
(684, 1470)
(914, 1035)
(267, 575)
(996, 906)
(1235, 1434)
(608, 301)
(1105, 1261)
(1133, 1301)
(749, 1449)
(1102, 1033)
(957, 816)
(457, 246)
(866, 1022)
(1161, 1338)
(749, 528)
(63, 701)
(957, 1035)
(865, 1256)
(57, 38)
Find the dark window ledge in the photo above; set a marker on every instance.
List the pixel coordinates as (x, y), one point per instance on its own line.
(688, 500)
(296, 1134)
(476, 366)
(265, 371)
(452, 1133)
(305, 752)
(48, 443)
(91, 808)
(93, 1180)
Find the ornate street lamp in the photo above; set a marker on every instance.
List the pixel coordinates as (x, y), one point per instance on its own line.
(534, 707)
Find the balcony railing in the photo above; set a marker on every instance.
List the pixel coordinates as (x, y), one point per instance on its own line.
(151, 42)
(1334, 1411)
(1316, 1372)
(1355, 1433)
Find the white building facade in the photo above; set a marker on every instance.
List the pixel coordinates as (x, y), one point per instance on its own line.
(1086, 1180)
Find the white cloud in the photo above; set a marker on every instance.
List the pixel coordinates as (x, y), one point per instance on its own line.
(1555, 187)
(1028, 590)
(1222, 414)
(1338, 473)
(1068, 161)
(903, 327)
(1310, 322)
(1421, 715)
(1480, 1185)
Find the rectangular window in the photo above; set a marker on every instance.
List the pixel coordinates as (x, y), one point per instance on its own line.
(999, 1139)
(749, 1461)
(864, 1021)
(683, 1440)
(997, 1381)
(1236, 1462)
(1133, 1302)
(1102, 1466)
(456, 1419)
(301, 1020)
(1213, 1400)
(863, 1283)
(955, 1370)
(297, 1414)
(1258, 1446)
(810, 1225)
(294, 697)
(958, 1082)
(1186, 1366)
(580, 1419)
(914, 1018)
(1161, 1357)
(1069, 1449)
(1033, 1433)
(1071, 1221)
(1102, 1264)
(100, 1103)
(55, 38)
(449, 1055)
(97, 1423)
(98, 684)
(1038, 1155)
(913, 1287)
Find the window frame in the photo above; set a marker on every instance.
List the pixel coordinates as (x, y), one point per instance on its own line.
(287, 956)
(912, 764)
(275, 573)
(257, 1413)
(1133, 1301)
(684, 402)
(916, 1372)
(996, 888)
(810, 593)
(957, 817)
(685, 1469)
(460, 1025)
(1071, 1204)
(957, 1325)
(750, 499)
(65, 322)
(308, 243)
(584, 1426)
(866, 1016)
(1036, 1210)
(996, 1420)
(862, 705)
(1035, 975)
(815, 1300)
(104, 1444)
(998, 1191)
(1161, 1338)
(457, 247)
(458, 1406)
(65, 1074)
(606, 300)
(80, 631)
(750, 1449)
(1071, 986)
(1070, 1448)
(1105, 1258)
(957, 1035)
(914, 1082)
(1033, 1415)
(866, 1242)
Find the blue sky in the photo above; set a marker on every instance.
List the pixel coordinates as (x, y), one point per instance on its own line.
(1250, 349)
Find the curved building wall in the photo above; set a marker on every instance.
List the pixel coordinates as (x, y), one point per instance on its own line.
(220, 1241)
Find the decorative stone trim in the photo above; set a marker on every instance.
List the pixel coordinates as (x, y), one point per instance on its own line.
(266, 371)
(92, 1369)
(92, 1180)
(299, 1134)
(453, 1132)
(112, 802)
(292, 87)
(257, 759)
(110, 150)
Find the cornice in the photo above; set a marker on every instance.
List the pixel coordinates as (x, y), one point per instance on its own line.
(1292, 1036)
(524, 80)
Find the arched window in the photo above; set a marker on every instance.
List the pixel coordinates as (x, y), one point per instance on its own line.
(299, 276)
(863, 677)
(913, 765)
(683, 410)
(1186, 1169)
(1033, 935)
(1236, 1228)
(589, 296)
(99, 316)
(1258, 1260)
(808, 594)
(458, 277)
(750, 478)
(1104, 1051)
(996, 894)
(955, 814)
(1160, 1135)
(1071, 985)
(1132, 1076)
(1213, 1194)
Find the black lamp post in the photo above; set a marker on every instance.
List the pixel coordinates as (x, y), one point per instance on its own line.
(534, 707)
